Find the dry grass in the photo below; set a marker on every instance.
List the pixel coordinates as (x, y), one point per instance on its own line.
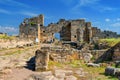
(94, 73)
(7, 37)
(111, 41)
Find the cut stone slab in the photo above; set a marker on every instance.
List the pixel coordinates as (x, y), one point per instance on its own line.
(71, 78)
(60, 74)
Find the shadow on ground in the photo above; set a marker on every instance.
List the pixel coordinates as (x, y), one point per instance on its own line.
(109, 77)
(31, 64)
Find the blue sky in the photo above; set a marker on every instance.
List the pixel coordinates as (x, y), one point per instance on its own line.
(104, 14)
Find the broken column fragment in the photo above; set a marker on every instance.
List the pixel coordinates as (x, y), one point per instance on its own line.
(41, 60)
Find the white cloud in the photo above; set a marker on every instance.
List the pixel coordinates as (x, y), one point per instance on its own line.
(13, 3)
(117, 24)
(27, 13)
(107, 19)
(93, 4)
(77, 9)
(80, 2)
(105, 8)
(118, 19)
(9, 29)
(4, 11)
(87, 2)
(108, 8)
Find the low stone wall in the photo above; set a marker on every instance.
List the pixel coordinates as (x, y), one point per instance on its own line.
(97, 54)
(112, 54)
(116, 52)
(62, 54)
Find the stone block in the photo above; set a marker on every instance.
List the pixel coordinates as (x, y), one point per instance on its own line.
(41, 60)
(60, 74)
(93, 65)
(71, 78)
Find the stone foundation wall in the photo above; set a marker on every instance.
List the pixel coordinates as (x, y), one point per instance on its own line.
(116, 52)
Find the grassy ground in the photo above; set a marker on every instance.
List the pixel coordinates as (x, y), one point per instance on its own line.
(6, 37)
(94, 73)
(110, 41)
(13, 51)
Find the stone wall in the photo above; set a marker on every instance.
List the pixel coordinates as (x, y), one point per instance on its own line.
(61, 54)
(70, 30)
(96, 32)
(116, 53)
(112, 54)
(109, 34)
(29, 27)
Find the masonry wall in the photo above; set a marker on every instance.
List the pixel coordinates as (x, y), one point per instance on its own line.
(29, 27)
(65, 32)
(76, 30)
(88, 32)
(70, 30)
(103, 34)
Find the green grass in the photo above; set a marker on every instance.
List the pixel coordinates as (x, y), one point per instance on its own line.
(95, 73)
(111, 41)
(6, 37)
(74, 63)
(15, 52)
(51, 64)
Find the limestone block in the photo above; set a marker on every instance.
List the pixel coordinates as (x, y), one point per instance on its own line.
(71, 78)
(41, 60)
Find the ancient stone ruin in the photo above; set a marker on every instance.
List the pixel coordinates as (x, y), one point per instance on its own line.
(111, 54)
(70, 30)
(116, 52)
(28, 28)
(81, 34)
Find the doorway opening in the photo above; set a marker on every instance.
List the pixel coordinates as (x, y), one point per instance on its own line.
(57, 36)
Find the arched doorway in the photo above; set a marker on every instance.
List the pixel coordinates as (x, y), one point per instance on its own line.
(57, 36)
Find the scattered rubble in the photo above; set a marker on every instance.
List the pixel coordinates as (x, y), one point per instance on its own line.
(112, 71)
(93, 65)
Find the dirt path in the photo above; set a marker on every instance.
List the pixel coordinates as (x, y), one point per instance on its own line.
(12, 63)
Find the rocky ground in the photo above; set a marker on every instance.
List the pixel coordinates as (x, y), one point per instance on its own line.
(13, 63)
(7, 43)
(14, 66)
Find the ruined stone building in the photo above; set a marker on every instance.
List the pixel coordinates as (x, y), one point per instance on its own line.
(103, 34)
(109, 34)
(29, 27)
(70, 30)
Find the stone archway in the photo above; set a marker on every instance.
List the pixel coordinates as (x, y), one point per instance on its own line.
(57, 36)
